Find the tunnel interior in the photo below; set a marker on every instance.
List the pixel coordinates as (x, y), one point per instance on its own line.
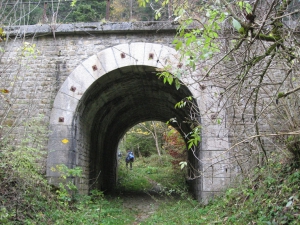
(113, 104)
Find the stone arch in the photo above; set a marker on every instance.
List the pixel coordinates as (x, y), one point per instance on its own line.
(87, 113)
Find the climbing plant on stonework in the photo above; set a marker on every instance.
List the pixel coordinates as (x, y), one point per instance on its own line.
(245, 54)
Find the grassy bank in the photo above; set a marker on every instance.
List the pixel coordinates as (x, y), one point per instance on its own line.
(270, 195)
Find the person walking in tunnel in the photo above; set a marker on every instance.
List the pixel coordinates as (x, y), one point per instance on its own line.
(129, 159)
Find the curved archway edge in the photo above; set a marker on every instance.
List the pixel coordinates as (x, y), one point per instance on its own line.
(64, 111)
(85, 74)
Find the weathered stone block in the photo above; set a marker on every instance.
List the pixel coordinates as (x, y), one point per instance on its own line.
(65, 102)
(107, 60)
(61, 116)
(214, 184)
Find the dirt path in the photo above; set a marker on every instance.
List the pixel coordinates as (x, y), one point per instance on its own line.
(142, 204)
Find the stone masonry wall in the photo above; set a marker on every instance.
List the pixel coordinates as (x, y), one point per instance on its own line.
(61, 48)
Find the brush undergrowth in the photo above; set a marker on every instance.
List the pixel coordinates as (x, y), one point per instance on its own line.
(27, 198)
(92, 209)
(268, 196)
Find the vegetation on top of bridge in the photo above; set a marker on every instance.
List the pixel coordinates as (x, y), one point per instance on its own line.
(74, 11)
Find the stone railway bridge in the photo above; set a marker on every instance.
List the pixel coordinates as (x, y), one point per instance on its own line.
(104, 79)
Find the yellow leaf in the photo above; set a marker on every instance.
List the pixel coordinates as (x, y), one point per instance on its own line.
(4, 91)
(65, 141)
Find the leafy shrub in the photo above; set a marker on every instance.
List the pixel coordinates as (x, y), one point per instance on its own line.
(24, 192)
(293, 145)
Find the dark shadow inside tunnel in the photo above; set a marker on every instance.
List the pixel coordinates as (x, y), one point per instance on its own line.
(112, 105)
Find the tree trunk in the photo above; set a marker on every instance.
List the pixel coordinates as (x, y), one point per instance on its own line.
(130, 16)
(170, 11)
(139, 152)
(107, 10)
(45, 19)
(155, 138)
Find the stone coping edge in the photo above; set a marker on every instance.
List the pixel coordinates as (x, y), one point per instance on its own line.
(86, 28)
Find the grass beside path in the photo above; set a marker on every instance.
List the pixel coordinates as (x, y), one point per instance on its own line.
(151, 174)
(269, 195)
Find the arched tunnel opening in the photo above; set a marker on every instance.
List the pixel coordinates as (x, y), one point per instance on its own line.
(159, 161)
(116, 102)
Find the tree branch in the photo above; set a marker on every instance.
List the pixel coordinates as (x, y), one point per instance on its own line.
(289, 92)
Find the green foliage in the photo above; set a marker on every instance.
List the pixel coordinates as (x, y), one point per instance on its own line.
(66, 172)
(236, 24)
(143, 142)
(28, 50)
(87, 209)
(149, 173)
(280, 95)
(168, 77)
(133, 180)
(194, 137)
(24, 191)
(151, 170)
(201, 43)
(73, 3)
(17, 13)
(140, 138)
(55, 12)
(93, 11)
(78, 11)
(269, 196)
(67, 188)
(293, 146)
(245, 6)
(183, 102)
(143, 3)
(2, 37)
(4, 215)
(26, 197)
(171, 78)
